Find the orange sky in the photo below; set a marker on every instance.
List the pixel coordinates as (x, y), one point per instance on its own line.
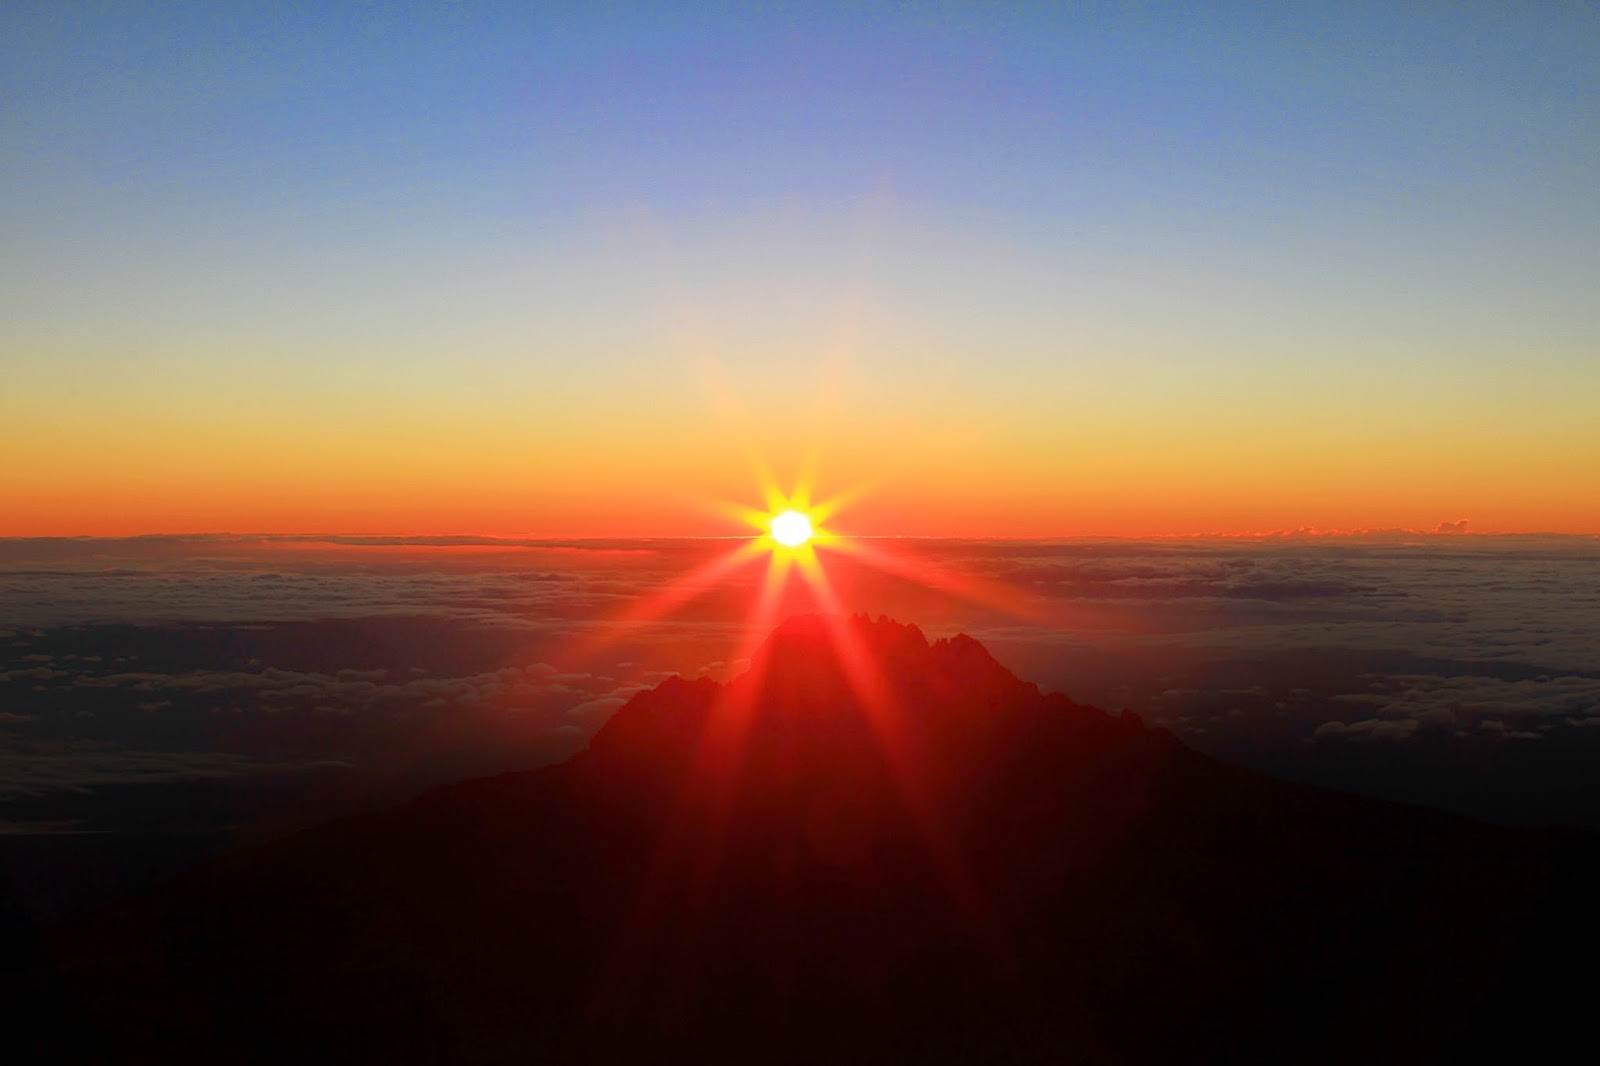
(630, 477)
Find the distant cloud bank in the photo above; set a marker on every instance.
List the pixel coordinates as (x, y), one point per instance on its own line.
(281, 664)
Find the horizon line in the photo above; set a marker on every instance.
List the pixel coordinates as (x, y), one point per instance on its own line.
(381, 539)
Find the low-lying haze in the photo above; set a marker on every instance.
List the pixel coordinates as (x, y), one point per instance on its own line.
(130, 665)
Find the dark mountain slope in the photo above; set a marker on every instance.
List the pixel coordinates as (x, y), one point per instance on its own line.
(955, 868)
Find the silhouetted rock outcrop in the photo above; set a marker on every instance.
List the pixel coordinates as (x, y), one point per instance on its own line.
(869, 848)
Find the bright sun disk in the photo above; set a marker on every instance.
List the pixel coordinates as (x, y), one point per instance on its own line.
(791, 529)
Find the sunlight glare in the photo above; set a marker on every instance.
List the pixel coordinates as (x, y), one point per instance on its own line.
(791, 529)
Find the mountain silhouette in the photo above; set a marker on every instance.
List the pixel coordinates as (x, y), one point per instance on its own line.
(868, 848)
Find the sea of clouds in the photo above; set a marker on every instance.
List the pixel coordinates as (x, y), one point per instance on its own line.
(230, 682)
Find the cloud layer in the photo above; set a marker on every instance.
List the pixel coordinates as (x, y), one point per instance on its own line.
(158, 661)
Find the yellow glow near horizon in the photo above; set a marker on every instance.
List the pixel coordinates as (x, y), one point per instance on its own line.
(791, 528)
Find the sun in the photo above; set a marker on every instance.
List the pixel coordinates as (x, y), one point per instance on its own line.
(791, 528)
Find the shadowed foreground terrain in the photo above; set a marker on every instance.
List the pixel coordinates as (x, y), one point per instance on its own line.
(868, 848)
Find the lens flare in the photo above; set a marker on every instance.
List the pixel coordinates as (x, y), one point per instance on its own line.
(791, 529)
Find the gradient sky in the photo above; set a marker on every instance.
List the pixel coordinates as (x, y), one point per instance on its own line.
(1013, 270)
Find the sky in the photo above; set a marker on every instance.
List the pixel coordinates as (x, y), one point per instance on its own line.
(1006, 270)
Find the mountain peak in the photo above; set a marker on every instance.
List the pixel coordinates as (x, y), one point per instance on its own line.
(815, 639)
(856, 647)
(857, 673)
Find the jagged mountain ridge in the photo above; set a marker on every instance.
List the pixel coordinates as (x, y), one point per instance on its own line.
(776, 868)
